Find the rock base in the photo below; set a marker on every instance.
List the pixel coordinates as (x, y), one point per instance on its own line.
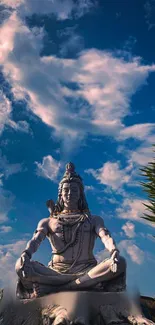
(79, 308)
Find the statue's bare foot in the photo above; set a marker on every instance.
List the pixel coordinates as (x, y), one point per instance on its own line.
(23, 293)
(61, 321)
(55, 315)
(61, 316)
(115, 315)
(40, 290)
(140, 320)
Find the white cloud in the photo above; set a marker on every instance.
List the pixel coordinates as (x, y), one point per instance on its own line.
(71, 41)
(89, 188)
(6, 197)
(6, 201)
(129, 229)
(7, 38)
(22, 126)
(135, 253)
(139, 156)
(149, 8)
(147, 236)
(8, 256)
(127, 248)
(1, 181)
(133, 209)
(5, 229)
(8, 169)
(61, 9)
(5, 116)
(49, 168)
(102, 255)
(74, 44)
(138, 131)
(129, 44)
(110, 174)
(105, 82)
(11, 3)
(142, 155)
(5, 111)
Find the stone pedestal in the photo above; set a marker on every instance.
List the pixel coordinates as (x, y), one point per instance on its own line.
(91, 308)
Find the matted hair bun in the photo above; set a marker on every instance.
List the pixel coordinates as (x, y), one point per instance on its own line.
(70, 175)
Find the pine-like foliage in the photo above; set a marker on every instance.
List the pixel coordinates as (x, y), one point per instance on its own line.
(149, 187)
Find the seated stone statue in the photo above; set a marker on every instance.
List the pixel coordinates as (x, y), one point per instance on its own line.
(72, 231)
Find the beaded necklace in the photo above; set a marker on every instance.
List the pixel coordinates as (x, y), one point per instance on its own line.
(63, 222)
(79, 222)
(69, 223)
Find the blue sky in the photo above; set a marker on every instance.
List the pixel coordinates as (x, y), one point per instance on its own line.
(77, 84)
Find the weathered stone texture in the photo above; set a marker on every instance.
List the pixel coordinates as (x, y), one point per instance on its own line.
(69, 308)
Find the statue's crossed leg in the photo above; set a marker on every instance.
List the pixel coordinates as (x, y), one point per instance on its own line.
(101, 273)
(48, 280)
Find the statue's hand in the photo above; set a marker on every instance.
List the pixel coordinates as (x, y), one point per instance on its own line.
(114, 261)
(24, 259)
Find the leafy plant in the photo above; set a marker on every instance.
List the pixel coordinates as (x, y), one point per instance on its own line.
(149, 187)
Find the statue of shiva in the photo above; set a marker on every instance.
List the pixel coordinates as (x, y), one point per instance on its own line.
(71, 230)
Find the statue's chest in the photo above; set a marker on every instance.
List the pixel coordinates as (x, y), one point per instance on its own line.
(70, 232)
(55, 226)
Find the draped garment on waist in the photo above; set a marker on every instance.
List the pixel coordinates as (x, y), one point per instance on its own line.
(80, 267)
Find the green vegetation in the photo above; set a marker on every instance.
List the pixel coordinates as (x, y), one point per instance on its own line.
(149, 187)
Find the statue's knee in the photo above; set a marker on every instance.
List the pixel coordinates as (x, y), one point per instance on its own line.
(18, 267)
(122, 263)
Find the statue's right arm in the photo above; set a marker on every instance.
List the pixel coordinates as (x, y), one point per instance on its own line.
(38, 236)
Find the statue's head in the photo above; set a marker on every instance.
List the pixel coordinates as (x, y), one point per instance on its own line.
(71, 191)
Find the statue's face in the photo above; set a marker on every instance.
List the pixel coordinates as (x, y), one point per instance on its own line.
(70, 195)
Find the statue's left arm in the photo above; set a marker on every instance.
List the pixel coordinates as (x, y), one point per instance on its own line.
(105, 236)
(108, 241)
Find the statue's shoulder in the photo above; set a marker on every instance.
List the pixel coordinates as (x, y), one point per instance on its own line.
(97, 220)
(43, 223)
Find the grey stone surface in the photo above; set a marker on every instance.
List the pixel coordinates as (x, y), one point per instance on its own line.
(72, 231)
(74, 308)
